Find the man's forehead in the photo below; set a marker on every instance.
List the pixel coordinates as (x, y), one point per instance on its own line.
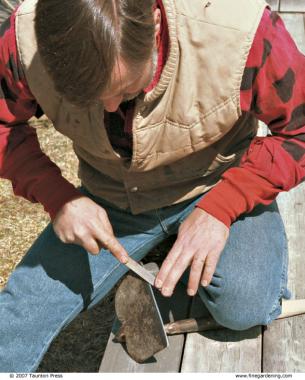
(122, 77)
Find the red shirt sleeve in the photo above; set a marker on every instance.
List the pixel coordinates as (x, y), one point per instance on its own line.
(33, 175)
(273, 90)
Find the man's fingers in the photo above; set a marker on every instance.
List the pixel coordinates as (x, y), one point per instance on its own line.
(174, 275)
(195, 273)
(83, 222)
(209, 268)
(91, 246)
(102, 232)
(168, 264)
(118, 251)
(112, 244)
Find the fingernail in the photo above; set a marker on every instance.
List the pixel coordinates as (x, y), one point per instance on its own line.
(124, 259)
(191, 292)
(158, 284)
(167, 292)
(204, 283)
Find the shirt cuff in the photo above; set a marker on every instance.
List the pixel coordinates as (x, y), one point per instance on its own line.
(238, 193)
(223, 202)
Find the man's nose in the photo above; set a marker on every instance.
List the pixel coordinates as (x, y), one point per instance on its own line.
(112, 104)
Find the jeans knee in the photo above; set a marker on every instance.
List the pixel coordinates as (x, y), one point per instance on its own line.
(234, 312)
(234, 320)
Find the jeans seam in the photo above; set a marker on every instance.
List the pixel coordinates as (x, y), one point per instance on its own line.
(119, 264)
(162, 224)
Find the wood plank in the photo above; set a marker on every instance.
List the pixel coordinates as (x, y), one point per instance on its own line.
(175, 308)
(283, 344)
(275, 4)
(221, 350)
(292, 6)
(284, 340)
(262, 129)
(295, 24)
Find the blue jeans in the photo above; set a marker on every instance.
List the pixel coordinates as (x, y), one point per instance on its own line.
(54, 281)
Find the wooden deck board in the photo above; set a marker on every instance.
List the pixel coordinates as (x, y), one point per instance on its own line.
(283, 341)
(292, 6)
(295, 24)
(221, 350)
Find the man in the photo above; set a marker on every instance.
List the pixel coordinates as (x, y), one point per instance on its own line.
(161, 101)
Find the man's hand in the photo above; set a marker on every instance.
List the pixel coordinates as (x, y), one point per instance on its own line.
(83, 222)
(200, 241)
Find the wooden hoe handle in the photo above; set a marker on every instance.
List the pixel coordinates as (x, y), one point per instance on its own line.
(292, 308)
(289, 309)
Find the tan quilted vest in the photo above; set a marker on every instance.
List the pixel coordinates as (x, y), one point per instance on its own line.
(187, 131)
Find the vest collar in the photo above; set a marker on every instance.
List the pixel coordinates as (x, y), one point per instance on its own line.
(173, 54)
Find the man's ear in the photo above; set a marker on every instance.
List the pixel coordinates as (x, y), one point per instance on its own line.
(157, 20)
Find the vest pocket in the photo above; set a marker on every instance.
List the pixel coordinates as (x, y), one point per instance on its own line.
(220, 164)
(202, 168)
(224, 159)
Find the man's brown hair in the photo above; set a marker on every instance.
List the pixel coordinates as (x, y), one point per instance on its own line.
(80, 41)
